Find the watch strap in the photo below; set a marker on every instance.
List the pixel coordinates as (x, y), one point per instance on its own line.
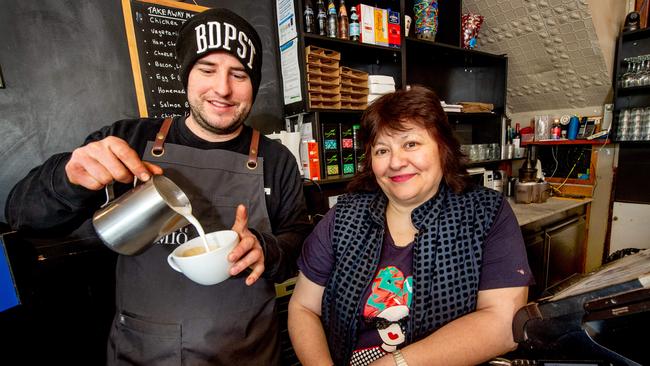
(399, 359)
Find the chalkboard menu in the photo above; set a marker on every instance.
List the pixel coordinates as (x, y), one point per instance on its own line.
(152, 27)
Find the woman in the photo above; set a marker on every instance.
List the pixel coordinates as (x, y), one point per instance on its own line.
(415, 266)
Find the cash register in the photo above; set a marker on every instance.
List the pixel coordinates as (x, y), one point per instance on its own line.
(603, 318)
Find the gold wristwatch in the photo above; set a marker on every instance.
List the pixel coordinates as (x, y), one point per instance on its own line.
(399, 359)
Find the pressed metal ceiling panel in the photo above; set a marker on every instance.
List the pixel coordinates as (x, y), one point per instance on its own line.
(554, 58)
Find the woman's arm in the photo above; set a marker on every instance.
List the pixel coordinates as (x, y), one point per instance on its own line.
(305, 328)
(471, 339)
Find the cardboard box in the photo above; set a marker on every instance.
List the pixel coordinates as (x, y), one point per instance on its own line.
(309, 159)
(347, 137)
(331, 136)
(332, 163)
(366, 23)
(348, 165)
(381, 27)
(381, 79)
(394, 29)
(381, 89)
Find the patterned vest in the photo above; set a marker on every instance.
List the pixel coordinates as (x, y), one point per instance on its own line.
(447, 257)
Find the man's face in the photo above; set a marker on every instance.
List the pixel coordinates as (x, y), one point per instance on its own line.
(220, 94)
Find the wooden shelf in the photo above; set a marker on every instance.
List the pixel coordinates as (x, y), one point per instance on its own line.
(567, 142)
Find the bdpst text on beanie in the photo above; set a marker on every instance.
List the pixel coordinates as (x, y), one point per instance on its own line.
(219, 30)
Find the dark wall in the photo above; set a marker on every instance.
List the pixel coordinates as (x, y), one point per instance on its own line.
(67, 73)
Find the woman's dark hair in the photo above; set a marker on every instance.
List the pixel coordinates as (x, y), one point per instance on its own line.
(418, 105)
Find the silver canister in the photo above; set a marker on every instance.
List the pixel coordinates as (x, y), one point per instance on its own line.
(541, 192)
(131, 223)
(524, 192)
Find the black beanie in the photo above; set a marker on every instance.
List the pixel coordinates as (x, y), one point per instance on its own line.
(219, 30)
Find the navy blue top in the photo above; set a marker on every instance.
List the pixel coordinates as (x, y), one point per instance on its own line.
(504, 264)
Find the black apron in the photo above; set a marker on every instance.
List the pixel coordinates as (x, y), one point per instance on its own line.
(162, 317)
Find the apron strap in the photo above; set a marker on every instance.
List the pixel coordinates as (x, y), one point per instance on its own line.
(252, 153)
(159, 145)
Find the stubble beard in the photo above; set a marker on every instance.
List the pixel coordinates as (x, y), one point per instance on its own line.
(237, 121)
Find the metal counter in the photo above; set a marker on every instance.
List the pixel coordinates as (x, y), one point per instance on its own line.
(531, 212)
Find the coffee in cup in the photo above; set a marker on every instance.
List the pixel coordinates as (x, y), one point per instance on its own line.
(205, 268)
(198, 250)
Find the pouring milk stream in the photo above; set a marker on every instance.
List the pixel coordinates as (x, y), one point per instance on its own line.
(186, 211)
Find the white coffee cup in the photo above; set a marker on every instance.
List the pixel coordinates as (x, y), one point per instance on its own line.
(205, 268)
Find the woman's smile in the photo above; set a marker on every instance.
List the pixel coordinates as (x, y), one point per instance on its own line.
(401, 178)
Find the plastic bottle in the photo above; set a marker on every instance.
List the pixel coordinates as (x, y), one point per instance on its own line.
(355, 30)
(556, 130)
(309, 17)
(574, 125)
(321, 18)
(332, 22)
(343, 21)
(516, 138)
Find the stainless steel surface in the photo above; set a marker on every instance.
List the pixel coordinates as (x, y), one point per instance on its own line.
(565, 248)
(531, 192)
(541, 192)
(544, 214)
(524, 192)
(134, 221)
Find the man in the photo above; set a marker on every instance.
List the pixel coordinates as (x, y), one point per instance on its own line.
(233, 177)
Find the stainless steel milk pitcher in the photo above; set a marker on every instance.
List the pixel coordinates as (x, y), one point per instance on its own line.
(131, 223)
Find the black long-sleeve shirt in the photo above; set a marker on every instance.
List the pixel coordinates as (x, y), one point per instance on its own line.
(46, 202)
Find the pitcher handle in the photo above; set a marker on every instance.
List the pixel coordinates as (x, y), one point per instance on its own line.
(110, 195)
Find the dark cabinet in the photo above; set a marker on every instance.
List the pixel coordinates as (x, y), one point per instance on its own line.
(631, 122)
(66, 288)
(556, 249)
(564, 244)
(456, 74)
(632, 88)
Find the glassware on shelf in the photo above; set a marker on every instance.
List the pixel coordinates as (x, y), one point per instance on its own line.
(623, 76)
(482, 151)
(637, 72)
(495, 150)
(309, 18)
(634, 124)
(473, 153)
(643, 75)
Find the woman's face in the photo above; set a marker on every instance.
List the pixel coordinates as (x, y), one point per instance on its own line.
(407, 165)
